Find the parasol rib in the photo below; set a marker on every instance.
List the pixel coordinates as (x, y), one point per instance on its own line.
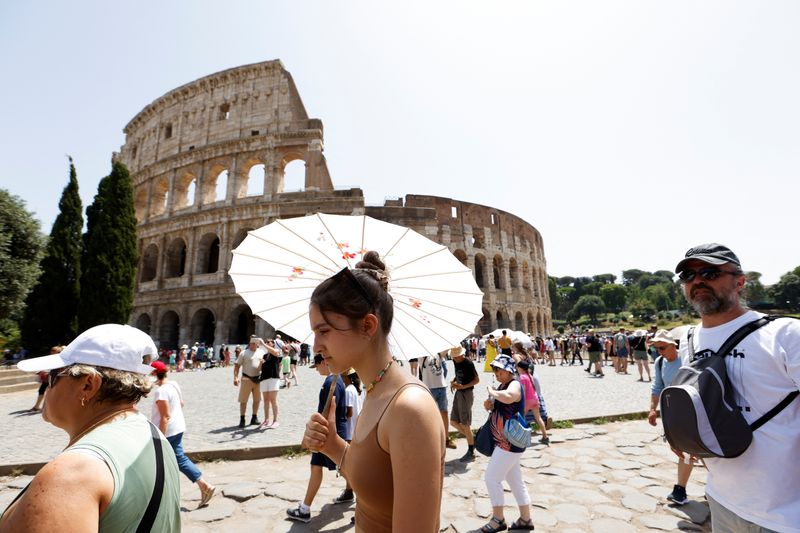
(437, 317)
(289, 250)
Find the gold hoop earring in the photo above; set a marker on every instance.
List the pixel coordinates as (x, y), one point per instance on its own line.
(83, 402)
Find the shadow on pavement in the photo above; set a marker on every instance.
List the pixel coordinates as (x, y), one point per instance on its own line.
(329, 514)
(236, 431)
(26, 412)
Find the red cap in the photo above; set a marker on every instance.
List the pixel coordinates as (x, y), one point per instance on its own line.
(159, 366)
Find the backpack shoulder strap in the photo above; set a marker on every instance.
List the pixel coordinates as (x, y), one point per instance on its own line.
(154, 504)
(743, 332)
(774, 411)
(690, 342)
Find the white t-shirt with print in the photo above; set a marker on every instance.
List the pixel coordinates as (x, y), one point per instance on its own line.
(431, 368)
(171, 393)
(762, 485)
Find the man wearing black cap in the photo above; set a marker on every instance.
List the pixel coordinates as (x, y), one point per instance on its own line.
(752, 492)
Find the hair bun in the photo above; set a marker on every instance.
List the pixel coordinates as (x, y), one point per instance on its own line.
(372, 261)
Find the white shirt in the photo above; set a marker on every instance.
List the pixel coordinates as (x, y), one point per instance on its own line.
(354, 400)
(171, 392)
(762, 485)
(432, 371)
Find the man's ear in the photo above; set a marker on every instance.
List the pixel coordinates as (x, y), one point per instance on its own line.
(370, 325)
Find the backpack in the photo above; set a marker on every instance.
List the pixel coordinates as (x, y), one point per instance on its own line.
(698, 409)
(619, 341)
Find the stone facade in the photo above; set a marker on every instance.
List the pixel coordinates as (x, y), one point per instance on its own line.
(207, 161)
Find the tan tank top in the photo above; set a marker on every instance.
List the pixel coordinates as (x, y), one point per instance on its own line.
(369, 471)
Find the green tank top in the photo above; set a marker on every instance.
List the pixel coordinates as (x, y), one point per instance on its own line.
(127, 447)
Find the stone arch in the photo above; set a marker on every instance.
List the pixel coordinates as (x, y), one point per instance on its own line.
(242, 325)
(185, 191)
(140, 203)
(461, 256)
(480, 270)
(513, 273)
(240, 236)
(540, 323)
(497, 272)
(485, 324)
(175, 263)
(502, 319)
(203, 326)
(144, 323)
(531, 323)
(251, 181)
(208, 254)
(526, 276)
(216, 184)
(149, 263)
(160, 199)
(519, 322)
(168, 330)
(290, 175)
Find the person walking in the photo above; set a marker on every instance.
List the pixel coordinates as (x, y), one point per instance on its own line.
(43, 380)
(532, 402)
(503, 403)
(594, 347)
(270, 384)
(167, 415)
(463, 385)
(249, 361)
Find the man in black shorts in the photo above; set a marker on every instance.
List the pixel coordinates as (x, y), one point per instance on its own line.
(463, 384)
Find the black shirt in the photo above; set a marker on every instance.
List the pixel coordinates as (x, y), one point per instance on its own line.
(270, 367)
(594, 344)
(465, 372)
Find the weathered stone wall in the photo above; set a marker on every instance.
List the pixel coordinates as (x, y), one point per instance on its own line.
(207, 161)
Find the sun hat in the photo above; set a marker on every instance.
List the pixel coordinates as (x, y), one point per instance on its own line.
(456, 351)
(712, 253)
(663, 335)
(504, 362)
(184, 347)
(109, 345)
(159, 367)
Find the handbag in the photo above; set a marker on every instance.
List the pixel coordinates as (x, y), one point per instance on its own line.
(484, 441)
(517, 431)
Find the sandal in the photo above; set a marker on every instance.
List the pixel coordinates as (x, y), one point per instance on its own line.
(501, 525)
(523, 524)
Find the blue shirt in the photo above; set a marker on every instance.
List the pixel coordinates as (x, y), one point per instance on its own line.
(665, 373)
(341, 402)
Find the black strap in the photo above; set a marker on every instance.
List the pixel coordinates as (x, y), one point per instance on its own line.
(774, 411)
(150, 513)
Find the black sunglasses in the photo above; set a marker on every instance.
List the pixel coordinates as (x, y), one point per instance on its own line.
(706, 274)
(53, 376)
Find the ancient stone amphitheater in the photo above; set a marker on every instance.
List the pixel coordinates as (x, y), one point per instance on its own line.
(208, 163)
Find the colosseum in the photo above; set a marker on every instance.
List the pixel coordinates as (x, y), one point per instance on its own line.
(208, 162)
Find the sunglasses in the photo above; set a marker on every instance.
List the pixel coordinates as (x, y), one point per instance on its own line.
(53, 376)
(347, 274)
(661, 348)
(706, 274)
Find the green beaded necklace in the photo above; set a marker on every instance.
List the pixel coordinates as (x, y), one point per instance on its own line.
(379, 377)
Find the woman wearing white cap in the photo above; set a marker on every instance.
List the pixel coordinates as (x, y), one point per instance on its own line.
(117, 473)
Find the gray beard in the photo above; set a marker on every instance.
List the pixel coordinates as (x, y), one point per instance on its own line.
(710, 304)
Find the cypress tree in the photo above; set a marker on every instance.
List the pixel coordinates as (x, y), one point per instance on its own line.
(109, 253)
(51, 313)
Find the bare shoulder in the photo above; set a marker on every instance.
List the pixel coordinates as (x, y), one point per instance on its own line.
(73, 469)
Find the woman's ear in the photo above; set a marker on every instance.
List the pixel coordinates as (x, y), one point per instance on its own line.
(370, 325)
(91, 385)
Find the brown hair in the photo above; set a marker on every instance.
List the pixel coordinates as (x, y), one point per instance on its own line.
(365, 292)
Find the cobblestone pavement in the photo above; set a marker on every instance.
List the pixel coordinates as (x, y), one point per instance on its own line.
(593, 478)
(212, 411)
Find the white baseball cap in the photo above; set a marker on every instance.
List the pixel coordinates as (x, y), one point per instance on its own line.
(109, 345)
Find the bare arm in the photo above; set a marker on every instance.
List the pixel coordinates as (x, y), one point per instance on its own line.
(512, 394)
(413, 435)
(163, 410)
(236, 367)
(67, 495)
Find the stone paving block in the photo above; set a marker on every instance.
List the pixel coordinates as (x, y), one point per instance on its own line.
(596, 431)
(289, 492)
(559, 472)
(264, 505)
(563, 453)
(482, 507)
(535, 463)
(639, 502)
(460, 492)
(584, 496)
(575, 435)
(632, 450)
(658, 492)
(611, 525)
(590, 478)
(242, 491)
(583, 451)
(612, 511)
(654, 473)
(618, 489)
(221, 509)
(696, 512)
(641, 482)
(661, 522)
(621, 464)
(621, 475)
(592, 468)
(543, 518)
(570, 513)
(629, 442)
(651, 460)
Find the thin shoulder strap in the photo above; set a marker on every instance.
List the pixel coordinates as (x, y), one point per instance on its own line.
(774, 411)
(151, 512)
(391, 400)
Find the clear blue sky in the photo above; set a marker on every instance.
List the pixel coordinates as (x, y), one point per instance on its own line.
(624, 131)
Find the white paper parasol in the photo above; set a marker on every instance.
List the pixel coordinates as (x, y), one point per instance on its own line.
(436, 300)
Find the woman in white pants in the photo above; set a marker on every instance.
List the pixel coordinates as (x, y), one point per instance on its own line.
(504, 462)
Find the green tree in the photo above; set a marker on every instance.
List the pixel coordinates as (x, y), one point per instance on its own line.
(643, 308)
(20, 250)
(51, 311)
(588, 304)
(786, 293)
(613, 296)
(659, 296)
(565, 281)
(593, 288)
(109, 253)
(604, 278)
(631, 277)
(754, 291)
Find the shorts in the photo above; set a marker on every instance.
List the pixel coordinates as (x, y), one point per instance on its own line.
(42, 388)
(505, 351)
(269, 385)
(440, 396)
(320, 459)
(640, 355)
(462, 407)
(247, 387)
(622, 352)
(594, 357)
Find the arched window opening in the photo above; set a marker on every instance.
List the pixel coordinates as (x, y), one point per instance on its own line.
(169, 330)
(240, 236)
(242, 325)
(144, 323)
(208, 254)
(190, 193)
(480, 271)
(531, 324)
(255, 180)
(160, 197)
(485, 324)
(461, 256)
(497, 270)
(140, 203)
(519, 323)
(513, 272)
(526, 279)
(221, 189)
(294, 176)
(149, 263)
(176, 259)
(203, 327)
